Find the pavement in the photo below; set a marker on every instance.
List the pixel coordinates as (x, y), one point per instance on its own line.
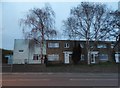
(62, 68)
(101, 80)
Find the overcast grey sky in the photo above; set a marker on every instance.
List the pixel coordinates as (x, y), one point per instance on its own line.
(13, 11)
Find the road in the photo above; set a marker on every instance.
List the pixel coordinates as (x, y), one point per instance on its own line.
(60, 79)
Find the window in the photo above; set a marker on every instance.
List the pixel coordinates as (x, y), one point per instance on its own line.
(117, 57)
(101, 46)
(81, 45)
(112, 45)
(53, 45)
(82, 57)
(103, 56)
(66, 45)
(53, 57)
(35, 57)
(21, 50)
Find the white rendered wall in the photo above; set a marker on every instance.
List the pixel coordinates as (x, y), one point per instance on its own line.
(34, 49)
(19, 57)
(29, 48)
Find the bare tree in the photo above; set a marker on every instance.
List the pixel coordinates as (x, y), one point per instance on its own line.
(116, 23)
(39, 24)
(91, 22)
(70, 28)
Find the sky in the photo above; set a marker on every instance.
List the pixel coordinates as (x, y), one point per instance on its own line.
(11, 13)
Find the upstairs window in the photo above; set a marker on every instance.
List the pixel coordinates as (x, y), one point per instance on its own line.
(102, 46)
(67, 45)
(21, 50)
(112, 45)
(53, 45)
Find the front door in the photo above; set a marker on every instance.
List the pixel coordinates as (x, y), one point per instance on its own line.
(94, 56)
(117, 57)
(67, 57)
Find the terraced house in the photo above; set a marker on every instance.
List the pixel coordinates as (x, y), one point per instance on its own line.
(60, 51)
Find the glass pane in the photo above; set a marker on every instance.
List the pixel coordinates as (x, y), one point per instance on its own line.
(103, 57)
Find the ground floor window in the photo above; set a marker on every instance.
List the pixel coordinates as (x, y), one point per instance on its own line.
(35, 56)
(53, 57)
(103, 57)
(82, 57)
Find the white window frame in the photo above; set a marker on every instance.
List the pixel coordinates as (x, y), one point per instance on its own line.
(103, 55)
(53, 57)
(101, 46)
(66, 45)
(53, 45)
(82, 57)
(21, 51)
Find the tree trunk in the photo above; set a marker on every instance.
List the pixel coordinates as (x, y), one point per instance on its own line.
(88, 57)
(88, 51)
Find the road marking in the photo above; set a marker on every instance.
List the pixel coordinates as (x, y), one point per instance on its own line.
(9, 80)
(92, 79)
(33, 79)
(68, 79)
(27, 73)
(26, 80)
(69, 74)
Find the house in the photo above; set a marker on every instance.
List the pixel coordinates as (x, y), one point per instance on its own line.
(27, 51)
(7, 56)
(60, 51)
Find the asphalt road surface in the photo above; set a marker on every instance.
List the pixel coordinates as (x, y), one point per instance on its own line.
(60, 79)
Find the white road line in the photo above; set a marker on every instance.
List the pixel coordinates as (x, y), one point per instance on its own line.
(26, 73)
(93, 79)
(50, 73)
(26, 80)
(68, 79)
(33, 79)
(9, 80)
